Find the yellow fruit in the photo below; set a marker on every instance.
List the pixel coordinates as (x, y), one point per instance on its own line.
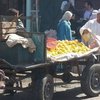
(65, 47)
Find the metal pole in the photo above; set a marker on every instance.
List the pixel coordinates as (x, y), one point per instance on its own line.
(37, 17)
(28, 13)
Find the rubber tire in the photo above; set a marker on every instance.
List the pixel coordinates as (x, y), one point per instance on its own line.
(40, 91)
(86, 83)
(67, 77)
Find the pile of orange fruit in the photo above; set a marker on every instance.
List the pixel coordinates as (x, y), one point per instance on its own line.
(64, 47)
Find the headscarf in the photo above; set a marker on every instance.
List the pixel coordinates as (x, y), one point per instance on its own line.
(82, 30)
(98, 11)
(85, 37)
(67, 16)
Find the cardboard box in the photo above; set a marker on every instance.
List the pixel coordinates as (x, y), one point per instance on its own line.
(7, 27)
(7, 24)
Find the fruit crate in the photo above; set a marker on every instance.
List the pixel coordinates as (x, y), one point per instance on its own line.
(7, 25)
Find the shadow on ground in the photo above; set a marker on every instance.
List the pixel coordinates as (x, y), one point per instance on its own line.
(70, 94)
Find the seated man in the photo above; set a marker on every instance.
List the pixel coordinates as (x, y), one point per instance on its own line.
(20, 26)
(14, 12)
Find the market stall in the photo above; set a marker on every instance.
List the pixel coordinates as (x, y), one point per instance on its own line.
(68, 54)
(41, 66)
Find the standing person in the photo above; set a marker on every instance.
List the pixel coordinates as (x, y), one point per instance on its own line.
(19, 24)
(65, 5)
(64, 27)
(93, 24)
(88, 10)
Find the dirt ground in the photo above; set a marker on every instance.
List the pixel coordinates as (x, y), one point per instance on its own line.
(71, 91)
(62, 91)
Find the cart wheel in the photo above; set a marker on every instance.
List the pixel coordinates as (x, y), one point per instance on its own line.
(9, 83)
(44, 88)
(67, 77)
(8, 91)
(90, 82)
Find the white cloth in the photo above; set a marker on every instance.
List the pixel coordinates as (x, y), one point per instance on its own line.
(94, 14)
(94, 41)
(93, 25)
(67, 16)
(14, 39)
(82, 30)
(98, 40)
(98, 10)
(20, 24)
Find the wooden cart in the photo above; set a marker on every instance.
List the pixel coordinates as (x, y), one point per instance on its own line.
(18, 64)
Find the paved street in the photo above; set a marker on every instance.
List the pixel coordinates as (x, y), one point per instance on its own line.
(62, 92)
(71, 92)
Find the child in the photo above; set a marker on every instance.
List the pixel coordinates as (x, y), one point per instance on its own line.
(90, 39)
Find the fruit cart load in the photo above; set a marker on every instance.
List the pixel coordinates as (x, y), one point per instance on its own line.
(66, 50)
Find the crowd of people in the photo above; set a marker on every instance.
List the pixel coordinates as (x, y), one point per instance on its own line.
(64, 25)
(68, 21)
(90, 31)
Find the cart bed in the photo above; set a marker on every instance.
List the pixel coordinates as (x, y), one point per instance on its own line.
(17, 55)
